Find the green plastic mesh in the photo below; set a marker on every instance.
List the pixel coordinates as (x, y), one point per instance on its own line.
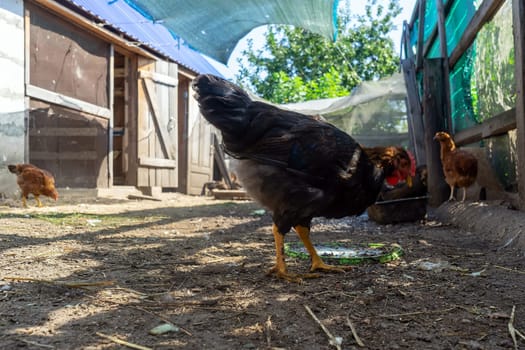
(464, 102)
(482, 82)
(461, 12)
(430, 19)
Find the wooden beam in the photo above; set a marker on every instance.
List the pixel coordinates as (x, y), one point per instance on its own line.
(66, 101)
(484, 14)
(518, 15)
(83, 155)
(159, 78)
(494, 126)
(219, 158)
(64, 132)
(157, 163)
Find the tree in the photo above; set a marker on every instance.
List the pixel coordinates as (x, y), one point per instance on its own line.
(296, 65)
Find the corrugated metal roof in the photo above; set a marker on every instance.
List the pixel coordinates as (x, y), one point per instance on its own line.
(125, 19)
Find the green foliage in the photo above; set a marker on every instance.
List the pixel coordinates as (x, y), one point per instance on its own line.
(296, 65)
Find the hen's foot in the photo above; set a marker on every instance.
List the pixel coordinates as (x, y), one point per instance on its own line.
(291, 277)
(321, 266)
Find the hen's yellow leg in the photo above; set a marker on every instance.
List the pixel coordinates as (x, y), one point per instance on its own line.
(317, 262)
(280, 269)
(451, 193)
(24, 202)
(38, 202)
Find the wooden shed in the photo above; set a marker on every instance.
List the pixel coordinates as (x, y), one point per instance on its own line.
(104, 107)
(464, 69)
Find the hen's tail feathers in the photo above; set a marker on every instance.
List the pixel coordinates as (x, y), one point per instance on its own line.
(223, 104)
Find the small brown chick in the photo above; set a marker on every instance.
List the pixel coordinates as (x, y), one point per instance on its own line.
(32, 179)
(459, 166)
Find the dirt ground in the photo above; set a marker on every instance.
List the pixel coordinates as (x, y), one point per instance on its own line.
(86, 274)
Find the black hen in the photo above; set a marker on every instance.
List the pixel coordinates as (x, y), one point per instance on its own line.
(297, 166)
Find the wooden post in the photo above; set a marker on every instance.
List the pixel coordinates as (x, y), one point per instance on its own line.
(434, 107)
(518, 15)
(111, 124)
(415, 114)
(420, 34)
(444, 54)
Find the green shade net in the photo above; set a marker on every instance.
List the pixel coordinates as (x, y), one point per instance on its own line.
(214, 27)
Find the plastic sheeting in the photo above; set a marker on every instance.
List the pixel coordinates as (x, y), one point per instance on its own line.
(374, 113)
(214, 27)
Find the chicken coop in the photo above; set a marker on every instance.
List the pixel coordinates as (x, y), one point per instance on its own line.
(100, 98)
(464, 71)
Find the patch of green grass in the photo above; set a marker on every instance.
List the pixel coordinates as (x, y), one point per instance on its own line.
(85, 219)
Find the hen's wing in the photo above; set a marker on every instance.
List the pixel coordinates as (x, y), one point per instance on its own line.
(465, 163)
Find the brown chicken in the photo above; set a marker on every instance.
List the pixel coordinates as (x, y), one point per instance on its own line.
(297, 166)
(32, 179)
(459, 166)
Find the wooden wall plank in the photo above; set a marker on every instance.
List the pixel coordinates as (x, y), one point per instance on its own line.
(494, 126)
(162, 90)
(144, 129)
(173, 119)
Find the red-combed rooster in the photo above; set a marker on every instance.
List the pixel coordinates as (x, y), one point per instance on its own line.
(297, 166)
(32, 179)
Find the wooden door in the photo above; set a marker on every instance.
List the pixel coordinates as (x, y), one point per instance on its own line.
(200, 150)
(157, 126)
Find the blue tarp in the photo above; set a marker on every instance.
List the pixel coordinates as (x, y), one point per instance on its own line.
(119, 15)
